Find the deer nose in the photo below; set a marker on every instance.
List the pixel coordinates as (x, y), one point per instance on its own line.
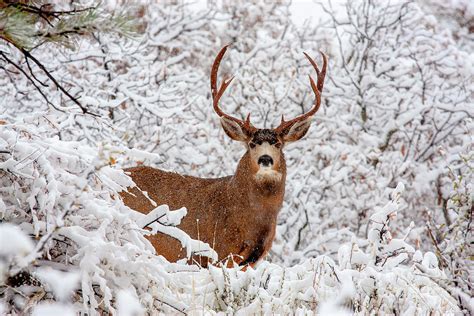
(265, 160)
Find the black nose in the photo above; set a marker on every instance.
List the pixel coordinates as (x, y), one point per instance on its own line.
(265, 160)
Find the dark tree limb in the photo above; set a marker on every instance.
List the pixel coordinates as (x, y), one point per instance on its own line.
(28, 56)
(43, 11)
(33, 74)
(30, 79)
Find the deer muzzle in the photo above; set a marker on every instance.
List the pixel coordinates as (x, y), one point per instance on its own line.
(265, 161)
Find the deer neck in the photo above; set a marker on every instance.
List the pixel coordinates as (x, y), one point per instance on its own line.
(266, 195)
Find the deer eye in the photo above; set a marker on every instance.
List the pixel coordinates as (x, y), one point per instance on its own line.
(278, 145)
(252, 145)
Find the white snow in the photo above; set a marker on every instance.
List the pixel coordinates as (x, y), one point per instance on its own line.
(63, 284)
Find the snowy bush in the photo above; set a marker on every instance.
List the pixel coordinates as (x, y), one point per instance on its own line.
(378, 209)
(87, 240)
(64, 196)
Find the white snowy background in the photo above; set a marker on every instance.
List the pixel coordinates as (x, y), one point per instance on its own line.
(377, 217)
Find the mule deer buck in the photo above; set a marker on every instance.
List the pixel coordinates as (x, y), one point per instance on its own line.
(236, 215)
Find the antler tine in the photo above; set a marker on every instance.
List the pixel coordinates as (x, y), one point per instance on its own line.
(317, 89)
(217, 93)
(321, 73)
(215, 69)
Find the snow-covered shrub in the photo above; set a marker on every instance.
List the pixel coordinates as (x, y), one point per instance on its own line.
(88, 246)
(84, 233)
(358, 283)
(453, 240)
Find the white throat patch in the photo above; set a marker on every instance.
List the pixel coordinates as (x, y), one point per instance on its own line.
(268, 174)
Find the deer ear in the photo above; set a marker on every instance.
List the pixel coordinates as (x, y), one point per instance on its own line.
(296, 131)
(233, 130)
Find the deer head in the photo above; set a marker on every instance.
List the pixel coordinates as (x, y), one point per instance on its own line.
(265, 145)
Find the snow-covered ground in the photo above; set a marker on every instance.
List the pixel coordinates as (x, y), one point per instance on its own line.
(378, 205)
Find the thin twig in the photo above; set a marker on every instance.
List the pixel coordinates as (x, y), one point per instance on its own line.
(58, 85)
(30, 79)
(28, 55)
(33, 74)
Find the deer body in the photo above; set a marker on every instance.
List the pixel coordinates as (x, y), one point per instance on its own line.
(232, 214)
(235, 215)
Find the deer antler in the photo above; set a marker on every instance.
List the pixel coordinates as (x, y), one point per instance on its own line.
(317, 89)
(217, 94)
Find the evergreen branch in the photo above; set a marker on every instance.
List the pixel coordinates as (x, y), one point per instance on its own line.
(22, 30)
(44, 14)
(32, 9)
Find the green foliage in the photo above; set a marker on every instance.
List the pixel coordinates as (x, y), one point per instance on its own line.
(17, 26)
(27, 26)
